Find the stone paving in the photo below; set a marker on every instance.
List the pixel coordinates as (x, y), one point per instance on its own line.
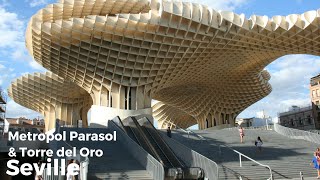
(286, 157)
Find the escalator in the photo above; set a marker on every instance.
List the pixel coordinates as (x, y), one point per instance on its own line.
(144, 134)
(166, 156)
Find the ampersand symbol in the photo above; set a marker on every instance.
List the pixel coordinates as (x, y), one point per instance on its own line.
(12, 153)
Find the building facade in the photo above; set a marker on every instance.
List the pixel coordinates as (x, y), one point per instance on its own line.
(315, 99)
(23, 124)
(298, 118)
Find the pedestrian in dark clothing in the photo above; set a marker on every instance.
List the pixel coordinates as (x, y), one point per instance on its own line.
(169, 132)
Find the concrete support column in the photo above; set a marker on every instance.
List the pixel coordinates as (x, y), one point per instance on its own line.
(115, 95)
(217, 119)
(140, 98)
(209, 118)
(122, 96)
(49, 118)
(75, 113)
(133, 98)
(104, 97)
(101, 98)
(123, 101)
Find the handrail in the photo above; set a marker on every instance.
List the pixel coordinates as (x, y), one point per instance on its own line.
(145, 140)
(240, 154)
(164, 154)
(158, 136)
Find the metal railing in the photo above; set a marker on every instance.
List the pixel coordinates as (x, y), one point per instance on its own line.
(269, 127)
(247, 157)
(233, 150)
(297, 134)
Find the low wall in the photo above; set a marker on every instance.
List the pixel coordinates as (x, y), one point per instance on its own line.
(193, 159)
(297, 134)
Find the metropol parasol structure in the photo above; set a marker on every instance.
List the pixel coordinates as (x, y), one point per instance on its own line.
(53, 97)
(204, 66)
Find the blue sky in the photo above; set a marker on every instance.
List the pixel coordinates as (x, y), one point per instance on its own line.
(289, 75)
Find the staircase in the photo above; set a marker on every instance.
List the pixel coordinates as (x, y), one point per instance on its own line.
(286, 157)
(116, 163)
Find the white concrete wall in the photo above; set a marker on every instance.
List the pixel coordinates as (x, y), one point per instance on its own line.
(101, 114)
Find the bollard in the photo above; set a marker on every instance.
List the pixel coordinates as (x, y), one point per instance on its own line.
(240, 160)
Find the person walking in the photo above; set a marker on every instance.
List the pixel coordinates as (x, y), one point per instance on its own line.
(39, 176)
(259, 143)
(69, 176)
(316, 161)
(241, 132)
(169, 132)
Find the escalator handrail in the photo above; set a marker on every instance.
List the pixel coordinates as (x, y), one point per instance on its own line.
(119, 122)
(175, 162)
(164, 143)
(153, 151)
(134, 135)
(168, 159)
(123, 127)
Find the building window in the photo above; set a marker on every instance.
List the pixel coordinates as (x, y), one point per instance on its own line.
(300, 121)
(292, 123)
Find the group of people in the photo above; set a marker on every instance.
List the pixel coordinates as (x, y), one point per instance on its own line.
(316, 161)
(258, 142)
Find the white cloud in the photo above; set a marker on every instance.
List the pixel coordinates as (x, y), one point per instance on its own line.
(12, 38)
(34, 3)
(15, 110)
(6, 75)
(11, 30)
(290, 78)
(227, 5)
